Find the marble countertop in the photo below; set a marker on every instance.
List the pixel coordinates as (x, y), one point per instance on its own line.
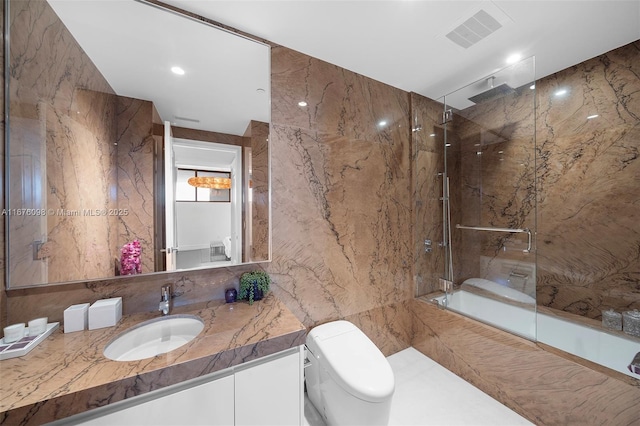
(67, 373)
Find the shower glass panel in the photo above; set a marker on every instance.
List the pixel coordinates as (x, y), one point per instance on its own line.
(489, 199)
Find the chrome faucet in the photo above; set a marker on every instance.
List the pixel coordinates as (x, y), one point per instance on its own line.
(634, 367)
(165, 299)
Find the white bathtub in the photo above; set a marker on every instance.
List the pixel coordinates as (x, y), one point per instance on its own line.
(612, 350)
(510, 317)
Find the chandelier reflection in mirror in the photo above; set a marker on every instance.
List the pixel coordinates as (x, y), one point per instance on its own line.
(210, 182)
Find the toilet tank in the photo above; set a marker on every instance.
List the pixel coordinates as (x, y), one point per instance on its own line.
(352, 360)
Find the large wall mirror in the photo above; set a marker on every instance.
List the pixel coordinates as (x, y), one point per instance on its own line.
(137, 142)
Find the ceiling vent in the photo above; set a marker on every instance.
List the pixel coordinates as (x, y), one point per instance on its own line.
(474, 29)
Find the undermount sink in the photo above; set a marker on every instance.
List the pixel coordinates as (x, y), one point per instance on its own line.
(154, 337)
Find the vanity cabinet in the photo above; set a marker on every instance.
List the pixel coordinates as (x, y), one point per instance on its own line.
(266, 391)
(270, 393)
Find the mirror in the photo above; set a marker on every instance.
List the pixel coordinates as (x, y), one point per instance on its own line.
(112, 107)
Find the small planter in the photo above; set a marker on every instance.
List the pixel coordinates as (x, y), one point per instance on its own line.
(254, 286)
(257, 293)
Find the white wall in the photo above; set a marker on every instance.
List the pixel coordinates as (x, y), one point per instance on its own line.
(201, 223)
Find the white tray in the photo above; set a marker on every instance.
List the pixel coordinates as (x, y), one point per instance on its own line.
(24, 345)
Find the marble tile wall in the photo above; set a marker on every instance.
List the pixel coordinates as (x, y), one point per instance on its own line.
(80, 177)
(139, 293)
(46, 109)
(341, 226)
(136, 187)
(341, 190)
(99, 158)
(339, 251)
(544, 387)
(586, 175)
(260, 190)
(588, 191)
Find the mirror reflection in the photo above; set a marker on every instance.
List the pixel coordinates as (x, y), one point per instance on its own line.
(113, 108)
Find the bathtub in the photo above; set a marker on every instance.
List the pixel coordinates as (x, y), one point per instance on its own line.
(521, 318)
(613, 350)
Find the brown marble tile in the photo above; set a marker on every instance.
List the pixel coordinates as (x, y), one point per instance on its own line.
(139, 293)
(588, 190)
(545, 388)
(341, 211)
(260, 212)
(67, 373)
(135, 168)
(389, 327)
(342, 225)
(71, 101)
(339, 101)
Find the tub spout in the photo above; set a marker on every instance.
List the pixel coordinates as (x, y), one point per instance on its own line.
(440, 304)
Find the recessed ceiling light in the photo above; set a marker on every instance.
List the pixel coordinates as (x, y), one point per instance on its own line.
(302, 104)
(561, 92)
(533, 86)
(177, 70)
(382, 123)
(514, 58)
(432, 135)
(592, 116)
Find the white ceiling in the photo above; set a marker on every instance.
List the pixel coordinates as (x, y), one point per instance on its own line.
(403, 43)
(227, 78)
(204, 155)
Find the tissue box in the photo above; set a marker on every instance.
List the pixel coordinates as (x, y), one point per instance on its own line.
(105, 313)
(76, 318)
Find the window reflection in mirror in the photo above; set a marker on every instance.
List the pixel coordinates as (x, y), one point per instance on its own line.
(86, 141)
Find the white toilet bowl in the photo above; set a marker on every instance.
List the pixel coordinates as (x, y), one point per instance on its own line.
(349, 380)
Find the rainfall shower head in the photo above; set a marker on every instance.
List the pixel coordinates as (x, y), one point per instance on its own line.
(493, 93)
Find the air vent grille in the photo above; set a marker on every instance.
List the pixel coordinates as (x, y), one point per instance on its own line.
(474, 29)
(192, 120)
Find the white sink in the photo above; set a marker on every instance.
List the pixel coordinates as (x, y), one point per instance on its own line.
(154, 337)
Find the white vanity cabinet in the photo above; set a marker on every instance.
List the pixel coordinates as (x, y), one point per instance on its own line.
(266, 391)
(270, 393)
(210, 403)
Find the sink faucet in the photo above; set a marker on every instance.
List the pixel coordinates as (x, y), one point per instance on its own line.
(165, 300)
(634, 367)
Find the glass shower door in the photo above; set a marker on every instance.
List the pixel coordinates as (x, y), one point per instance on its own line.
(489, 198)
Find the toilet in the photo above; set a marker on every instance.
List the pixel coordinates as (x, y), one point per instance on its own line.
(348, 379)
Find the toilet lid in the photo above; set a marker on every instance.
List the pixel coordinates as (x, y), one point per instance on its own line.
(357, 365)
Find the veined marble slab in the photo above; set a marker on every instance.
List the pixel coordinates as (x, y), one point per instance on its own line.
(68, 374)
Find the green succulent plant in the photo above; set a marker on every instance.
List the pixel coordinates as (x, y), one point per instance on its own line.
(262, 282)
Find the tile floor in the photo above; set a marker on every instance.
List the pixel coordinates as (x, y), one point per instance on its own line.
(429, 394)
